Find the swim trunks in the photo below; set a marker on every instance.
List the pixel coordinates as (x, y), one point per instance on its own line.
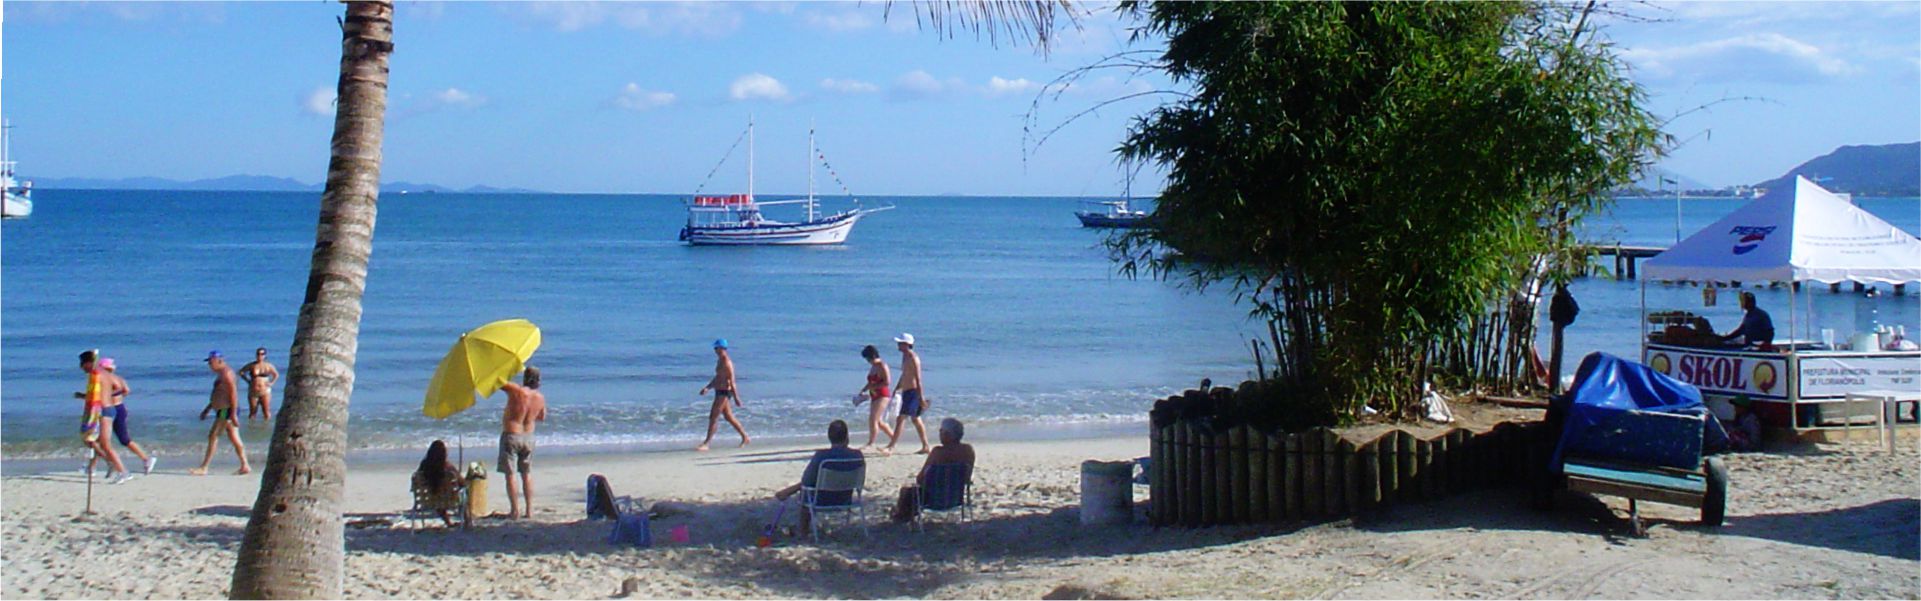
(221, 415)
(514, 452)
(910, 404)
(118, 413)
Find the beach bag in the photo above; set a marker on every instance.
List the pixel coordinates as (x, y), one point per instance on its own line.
(631, 529)
(600, 499)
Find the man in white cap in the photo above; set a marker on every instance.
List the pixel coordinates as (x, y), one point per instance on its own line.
(912, 403)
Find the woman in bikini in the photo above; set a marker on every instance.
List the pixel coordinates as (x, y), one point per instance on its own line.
(876, 392)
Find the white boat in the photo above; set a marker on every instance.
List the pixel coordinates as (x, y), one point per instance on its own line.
(19, 196)
(1114, 214)
(737, 220)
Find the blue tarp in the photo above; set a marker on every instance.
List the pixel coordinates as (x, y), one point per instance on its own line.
(1599, 418)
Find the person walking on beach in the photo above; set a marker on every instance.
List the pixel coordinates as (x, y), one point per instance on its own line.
(95, 429)
(526, 406)
(725, 389)
(912, 402)
(225, 397)
(117, 412)
(875, 392)
(261, 377)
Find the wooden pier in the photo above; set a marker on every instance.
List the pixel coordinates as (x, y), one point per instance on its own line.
(1627, 260)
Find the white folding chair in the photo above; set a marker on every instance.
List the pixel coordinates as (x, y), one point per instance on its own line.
(836, 476)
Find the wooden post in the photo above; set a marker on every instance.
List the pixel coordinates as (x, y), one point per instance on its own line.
(1424, 473)
(1389, 447)
(1237, 474)
(1409, 467)
(1257, 476)
(1457, 460)
(1156, 496)
(1333, 466)
(1352, 478)
(1312, 492)
(1210, 509)
(1188, 476)
(1276, 474)
(1223, 483)
(1443, 472)
(1292, 479)
(1371, 474)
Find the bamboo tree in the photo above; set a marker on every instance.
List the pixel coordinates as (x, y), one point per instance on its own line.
(295, 544)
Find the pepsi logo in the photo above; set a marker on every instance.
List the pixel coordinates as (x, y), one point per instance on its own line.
(1750, 237)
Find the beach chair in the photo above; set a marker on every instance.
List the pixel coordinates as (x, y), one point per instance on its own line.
(835, 477)
(948, 490)
(425, 509)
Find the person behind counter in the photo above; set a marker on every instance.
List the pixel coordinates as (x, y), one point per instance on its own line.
(1757, 328)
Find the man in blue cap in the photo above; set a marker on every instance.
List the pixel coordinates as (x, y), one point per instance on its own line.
(724, 390)
(226, 396)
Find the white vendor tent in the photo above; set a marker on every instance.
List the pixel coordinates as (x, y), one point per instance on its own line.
(1801, 233)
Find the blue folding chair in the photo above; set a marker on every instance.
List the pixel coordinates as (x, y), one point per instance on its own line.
(834, 476)
(948, 490)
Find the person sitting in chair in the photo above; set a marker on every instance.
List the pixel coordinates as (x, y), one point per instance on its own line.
(1757, 328)
(438, 482)
(950, 452)
(837, 449)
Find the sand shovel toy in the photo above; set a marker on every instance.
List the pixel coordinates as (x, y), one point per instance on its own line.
(767, 536)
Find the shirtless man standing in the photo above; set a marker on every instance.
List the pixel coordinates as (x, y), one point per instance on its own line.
(724, 389)
(526, 406)
(261, 377)
(225, 397)
(912, 403)
(96, 429)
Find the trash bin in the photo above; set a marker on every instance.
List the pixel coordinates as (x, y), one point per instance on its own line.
(1107, 492)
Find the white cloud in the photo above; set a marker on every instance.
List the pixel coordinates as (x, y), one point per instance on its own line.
(320, 101)
(1755, 56)
(456, 97)
(708, 19)
(634, 98)
(843, 21)
(918, 84)
(848, 86)
(758, 86)
(998, 86)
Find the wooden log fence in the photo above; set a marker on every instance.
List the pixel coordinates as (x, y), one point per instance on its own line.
(1203, 476)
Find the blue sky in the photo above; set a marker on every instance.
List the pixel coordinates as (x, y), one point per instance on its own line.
(646, 97)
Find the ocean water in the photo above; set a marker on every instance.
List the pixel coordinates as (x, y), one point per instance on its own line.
(1022, 320)
(1019, 315)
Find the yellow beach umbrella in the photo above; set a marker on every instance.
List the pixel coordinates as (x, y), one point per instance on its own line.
(479, 363)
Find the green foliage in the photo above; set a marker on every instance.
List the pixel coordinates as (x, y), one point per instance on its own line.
(1376, 176)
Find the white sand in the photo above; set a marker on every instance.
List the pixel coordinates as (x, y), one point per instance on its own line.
(1817, 523)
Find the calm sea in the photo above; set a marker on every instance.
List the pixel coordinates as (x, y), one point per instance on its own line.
(1022, 320)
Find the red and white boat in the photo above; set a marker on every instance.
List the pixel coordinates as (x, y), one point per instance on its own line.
(736, 219)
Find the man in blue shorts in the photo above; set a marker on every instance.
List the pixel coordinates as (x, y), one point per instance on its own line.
(912, 402)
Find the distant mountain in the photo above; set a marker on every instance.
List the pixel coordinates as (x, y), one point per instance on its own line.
(1885, 170)
(1650, 182)
(243, 183)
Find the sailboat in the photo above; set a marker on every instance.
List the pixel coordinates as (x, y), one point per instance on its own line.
(19, 198)
(736, 219)
(1113, 213)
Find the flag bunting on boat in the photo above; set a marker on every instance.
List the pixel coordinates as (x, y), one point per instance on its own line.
(829, 166)
(723, 160)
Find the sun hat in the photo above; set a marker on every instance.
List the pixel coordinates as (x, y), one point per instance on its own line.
(905, 337)
(106, 363)
(211, 355)
(720, 343)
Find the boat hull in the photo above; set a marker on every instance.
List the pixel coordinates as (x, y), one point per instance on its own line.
(829, 231)
(17, 206)
(1098, 220)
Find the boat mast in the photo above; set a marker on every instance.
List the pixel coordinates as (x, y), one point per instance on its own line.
(810, 170)
(750, 157)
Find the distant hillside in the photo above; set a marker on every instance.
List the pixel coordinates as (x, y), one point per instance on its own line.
(243, 183)
(1886, 170)
(1650, 183)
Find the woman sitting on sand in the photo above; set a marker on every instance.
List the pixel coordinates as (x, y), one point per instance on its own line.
(875, 391)
(950, 452)
(438, 482)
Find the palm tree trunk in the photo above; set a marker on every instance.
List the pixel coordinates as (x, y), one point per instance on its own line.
(295, 543)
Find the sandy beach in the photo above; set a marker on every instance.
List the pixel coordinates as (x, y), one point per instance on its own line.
(1814, 522)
